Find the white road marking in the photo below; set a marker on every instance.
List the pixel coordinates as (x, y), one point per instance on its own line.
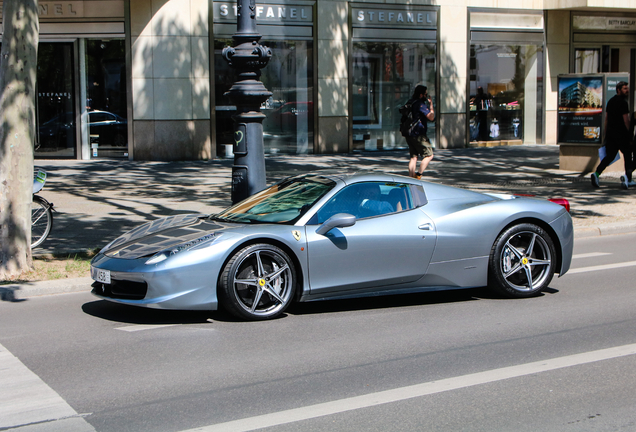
(602, 267)
(135, 328)
(418, 390)
(590, 255)
(27, 400)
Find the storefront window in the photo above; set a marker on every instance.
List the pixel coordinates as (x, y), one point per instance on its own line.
(384, 77)
(55, 101)
(506, 90)
(106, 98)
(289, 126)
(587, 60)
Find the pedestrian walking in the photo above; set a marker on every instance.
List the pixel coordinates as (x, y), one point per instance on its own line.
(617, 137)
(417, 140)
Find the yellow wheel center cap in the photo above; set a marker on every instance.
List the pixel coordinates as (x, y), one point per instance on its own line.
(524, 261)
(261, 282)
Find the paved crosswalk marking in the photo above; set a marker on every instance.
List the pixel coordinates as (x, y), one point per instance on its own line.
(29, 401)
(135, 328)
(602, 267)
(418, 390)
(590, 255)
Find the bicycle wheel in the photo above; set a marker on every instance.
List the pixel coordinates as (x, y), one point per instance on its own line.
(41, 221)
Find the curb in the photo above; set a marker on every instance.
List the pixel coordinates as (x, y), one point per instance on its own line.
(17, 292)
(21, 291)
(605, 229)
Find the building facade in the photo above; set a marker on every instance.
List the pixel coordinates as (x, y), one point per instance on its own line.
(145, 80)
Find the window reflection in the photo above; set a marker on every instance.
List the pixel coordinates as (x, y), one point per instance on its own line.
(587, 60)
(384, 77)
(289, 124)
(106, 98)
(506, 89)
(55, 108)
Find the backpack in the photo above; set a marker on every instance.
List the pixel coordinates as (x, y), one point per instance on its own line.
(407, 122)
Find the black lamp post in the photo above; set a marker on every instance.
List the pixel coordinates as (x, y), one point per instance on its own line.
(248, 57)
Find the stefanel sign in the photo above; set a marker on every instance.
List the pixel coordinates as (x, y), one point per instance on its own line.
(266, 13)
(68, 9)
(393, 17)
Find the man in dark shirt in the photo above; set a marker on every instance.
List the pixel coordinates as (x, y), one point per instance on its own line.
(617, 136)
(418, 142)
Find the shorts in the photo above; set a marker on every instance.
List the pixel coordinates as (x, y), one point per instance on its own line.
(419, 146)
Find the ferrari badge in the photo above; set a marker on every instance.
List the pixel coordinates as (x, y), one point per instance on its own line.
(296, 235)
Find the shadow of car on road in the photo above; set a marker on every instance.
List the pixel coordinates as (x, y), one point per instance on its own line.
(126, 314)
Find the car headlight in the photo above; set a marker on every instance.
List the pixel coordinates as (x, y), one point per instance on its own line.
(204, 241)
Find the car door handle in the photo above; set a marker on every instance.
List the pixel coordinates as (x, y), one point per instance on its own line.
(426, 227)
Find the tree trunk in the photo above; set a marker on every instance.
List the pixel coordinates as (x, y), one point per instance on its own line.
(18, 60)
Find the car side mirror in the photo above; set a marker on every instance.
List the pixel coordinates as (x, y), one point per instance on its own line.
(339, 220)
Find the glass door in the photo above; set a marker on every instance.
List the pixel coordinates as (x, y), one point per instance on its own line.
(56, 116)
(106, 98)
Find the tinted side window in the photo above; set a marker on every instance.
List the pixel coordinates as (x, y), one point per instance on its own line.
(367, 199)
(97, 117)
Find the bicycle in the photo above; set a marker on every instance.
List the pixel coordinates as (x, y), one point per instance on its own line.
(41, 212)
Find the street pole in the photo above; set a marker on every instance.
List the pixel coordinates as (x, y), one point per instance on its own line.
(248, 57)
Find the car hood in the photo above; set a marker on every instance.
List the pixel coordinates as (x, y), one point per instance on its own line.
(161, 234)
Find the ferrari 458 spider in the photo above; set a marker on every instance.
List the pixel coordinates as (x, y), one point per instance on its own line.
(329, 235)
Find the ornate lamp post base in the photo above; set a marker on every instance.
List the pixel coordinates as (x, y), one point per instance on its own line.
(248, 57)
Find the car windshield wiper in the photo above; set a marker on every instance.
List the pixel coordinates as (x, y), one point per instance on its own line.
(219, 218)
(242, 220)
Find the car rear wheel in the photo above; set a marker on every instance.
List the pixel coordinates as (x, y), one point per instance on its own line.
(258, 282)
(522, 261)
(119, 141)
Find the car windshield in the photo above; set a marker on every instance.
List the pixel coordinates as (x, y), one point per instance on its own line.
(283, 203)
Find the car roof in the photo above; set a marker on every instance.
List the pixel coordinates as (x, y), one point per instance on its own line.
(349, 176)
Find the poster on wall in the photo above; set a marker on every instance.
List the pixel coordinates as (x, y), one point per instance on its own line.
(580, 113)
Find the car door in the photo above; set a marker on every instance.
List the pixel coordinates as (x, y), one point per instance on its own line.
(377, 251)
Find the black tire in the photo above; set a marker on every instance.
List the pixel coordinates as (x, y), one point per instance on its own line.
(41, 221)
(522, 261)
(119, 140)
(258, 282)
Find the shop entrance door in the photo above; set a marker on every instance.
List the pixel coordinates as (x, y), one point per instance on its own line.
(56, 116)
(104, 85)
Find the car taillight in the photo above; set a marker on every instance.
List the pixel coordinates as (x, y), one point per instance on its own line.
(562, 202)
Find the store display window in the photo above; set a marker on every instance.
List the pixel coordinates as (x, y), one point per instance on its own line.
(289, 124)
(384, 76)
(506, 93)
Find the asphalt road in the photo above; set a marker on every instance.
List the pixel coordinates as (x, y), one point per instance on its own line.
(453, 361)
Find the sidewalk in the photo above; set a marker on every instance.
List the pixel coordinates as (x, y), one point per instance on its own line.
(98, 200)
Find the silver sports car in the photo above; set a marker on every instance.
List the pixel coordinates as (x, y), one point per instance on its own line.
(329, 235)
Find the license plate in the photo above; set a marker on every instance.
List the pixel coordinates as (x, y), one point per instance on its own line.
(100, 275)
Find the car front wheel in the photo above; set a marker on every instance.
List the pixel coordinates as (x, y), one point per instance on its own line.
(522, 261)
(258, 282)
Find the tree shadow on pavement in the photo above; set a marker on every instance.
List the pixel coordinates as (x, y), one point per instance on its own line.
(101, 199)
